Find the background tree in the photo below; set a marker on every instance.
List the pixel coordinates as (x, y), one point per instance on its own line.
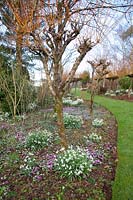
(85, 78)
(15, 90)
(99, 70)
(127, 37)
(124, 82)
(5, 56)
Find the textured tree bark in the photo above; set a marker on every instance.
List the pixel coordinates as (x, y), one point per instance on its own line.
(19, 42)
(91, 102)
(92, 93)
(59, 111)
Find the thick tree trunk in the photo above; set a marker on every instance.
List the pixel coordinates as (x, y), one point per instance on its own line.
(91, 101)
(91, 104)
(92, 93)
(19, 42)
(14, 111)
(59, 111)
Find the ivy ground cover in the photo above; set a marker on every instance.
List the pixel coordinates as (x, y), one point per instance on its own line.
(33, 165)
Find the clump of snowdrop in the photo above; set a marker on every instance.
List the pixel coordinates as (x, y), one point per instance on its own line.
(97, 122)
(28, 165)
(32, 106)
(70, 102)
(71, 121)
(95, 138)
(21, 117)
(4, 116)
(73, 163)
(38, 139)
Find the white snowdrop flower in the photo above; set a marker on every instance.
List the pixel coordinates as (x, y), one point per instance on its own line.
(30, 154)
(21, 166)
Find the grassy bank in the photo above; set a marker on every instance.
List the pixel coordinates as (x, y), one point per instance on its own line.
(123, 111)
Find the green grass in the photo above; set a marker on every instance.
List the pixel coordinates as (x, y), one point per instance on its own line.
(123, 111)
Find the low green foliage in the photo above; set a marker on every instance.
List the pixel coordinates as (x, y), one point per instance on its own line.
(20, 117)
(124, 82)
(32, 106)
(4, 116)
(99, 194)
(39, 139)
(72, 121)
(73, 163)
(60, 196)
(13, 158)
(3, 133)
(3, 192)
(97, 122)
(7, 142)
(28, 165)
(94, 137)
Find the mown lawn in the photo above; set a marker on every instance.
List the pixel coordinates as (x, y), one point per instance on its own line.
(123, 111)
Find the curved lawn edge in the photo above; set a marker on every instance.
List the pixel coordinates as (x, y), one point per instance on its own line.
(123, 111)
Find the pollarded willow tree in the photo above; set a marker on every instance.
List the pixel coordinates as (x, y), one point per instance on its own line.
(61, 24)
(99, 71)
